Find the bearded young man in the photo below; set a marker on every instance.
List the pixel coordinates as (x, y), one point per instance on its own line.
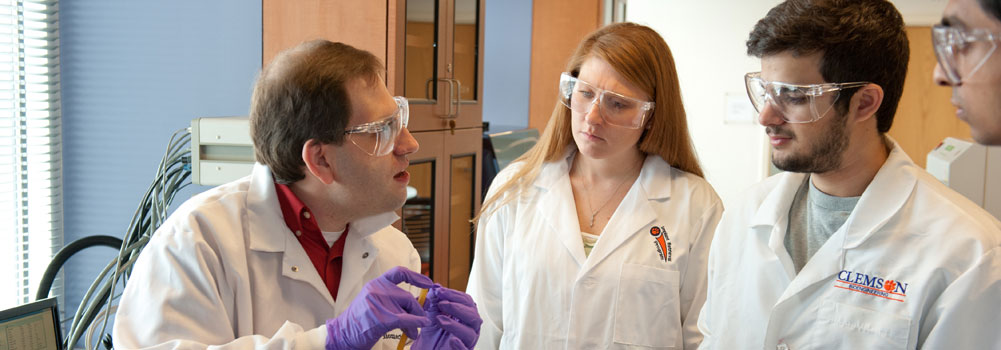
(854, 246)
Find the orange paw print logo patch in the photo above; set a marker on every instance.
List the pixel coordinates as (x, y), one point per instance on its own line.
(889, 286)
(662, 242)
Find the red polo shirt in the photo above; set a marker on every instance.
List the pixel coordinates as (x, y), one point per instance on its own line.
(298, 218)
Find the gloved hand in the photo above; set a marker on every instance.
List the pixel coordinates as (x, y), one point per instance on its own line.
(381, 306)
(455, 321)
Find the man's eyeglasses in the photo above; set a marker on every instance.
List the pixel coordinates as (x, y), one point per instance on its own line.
(954, 49)
(378, 138)
(795, 103)
(614, 108)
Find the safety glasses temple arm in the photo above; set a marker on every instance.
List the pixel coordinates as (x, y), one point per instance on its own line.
(840, 86)
(368, 127)
(981, 35)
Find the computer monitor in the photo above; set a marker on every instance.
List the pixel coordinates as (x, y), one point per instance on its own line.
(31, 326)
(502, 148)
(509, 145)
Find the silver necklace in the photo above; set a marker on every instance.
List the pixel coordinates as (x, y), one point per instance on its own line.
(595, 213)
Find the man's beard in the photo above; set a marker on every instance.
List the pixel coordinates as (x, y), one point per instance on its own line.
(823, 155)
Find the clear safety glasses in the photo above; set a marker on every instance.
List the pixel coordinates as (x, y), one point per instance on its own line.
(378, 138)
(955, 49)
(614, 108)
(795, 103)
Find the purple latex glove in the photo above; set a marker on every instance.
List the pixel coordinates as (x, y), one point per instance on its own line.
(381, 306)
(456, 323)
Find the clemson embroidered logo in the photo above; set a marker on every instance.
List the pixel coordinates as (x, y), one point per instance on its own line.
(872, 285)
(662, 242)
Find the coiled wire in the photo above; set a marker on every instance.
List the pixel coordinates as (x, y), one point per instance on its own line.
(172, 175)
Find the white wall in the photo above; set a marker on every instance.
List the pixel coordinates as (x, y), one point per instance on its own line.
(920, 12)
(707, 40)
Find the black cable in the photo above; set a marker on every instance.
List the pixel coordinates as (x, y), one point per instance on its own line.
(64, 254)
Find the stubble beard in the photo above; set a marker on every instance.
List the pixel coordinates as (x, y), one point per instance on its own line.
(823, 155)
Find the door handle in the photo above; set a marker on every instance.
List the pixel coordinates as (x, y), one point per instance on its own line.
(458, 97)
(451, 91)
(427, 88)
(452, 101)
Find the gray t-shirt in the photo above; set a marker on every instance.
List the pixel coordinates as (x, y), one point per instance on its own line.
(813, 217)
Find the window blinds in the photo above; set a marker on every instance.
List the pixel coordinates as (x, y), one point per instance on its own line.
(30, 147)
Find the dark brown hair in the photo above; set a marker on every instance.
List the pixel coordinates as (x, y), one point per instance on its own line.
(301, 96)
(860, 40)
(992, 7)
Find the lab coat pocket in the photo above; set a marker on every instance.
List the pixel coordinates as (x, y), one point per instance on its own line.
(844, 326)
(647, 313)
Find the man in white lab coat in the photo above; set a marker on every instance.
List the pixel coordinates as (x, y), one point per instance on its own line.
(300, 254)
(854, 247)
(966, 44)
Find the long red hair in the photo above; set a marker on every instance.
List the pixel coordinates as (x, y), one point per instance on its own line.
(642, 57)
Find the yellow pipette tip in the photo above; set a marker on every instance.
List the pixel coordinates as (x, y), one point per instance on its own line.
(420, 300)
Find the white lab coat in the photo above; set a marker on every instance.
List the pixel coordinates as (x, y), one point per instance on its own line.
(225, 272)
(907, 228)
(535, 289)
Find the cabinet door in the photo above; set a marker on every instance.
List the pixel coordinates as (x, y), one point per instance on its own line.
(288, 23)
(465, 69)
(445, 175)
(464, 149)
(421, 215)
(437, 52)
(420, 56)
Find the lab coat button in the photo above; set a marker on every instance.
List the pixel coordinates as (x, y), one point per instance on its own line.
(782, 347)
(363, 256)
(295, 268)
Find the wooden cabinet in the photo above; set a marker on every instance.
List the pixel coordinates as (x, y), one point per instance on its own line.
(558, 26)
(445, 172)
(433, 54)
(924, 116)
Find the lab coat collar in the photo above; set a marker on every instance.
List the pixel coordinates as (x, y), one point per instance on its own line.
(359, 255)
(267, 232)
(775, 207)
(773, 214)
(634, 214)
(266, 225)
(655, 187)
(880, 201)
(883, 198)
(552, 172)
(264, 222)
(555, 195)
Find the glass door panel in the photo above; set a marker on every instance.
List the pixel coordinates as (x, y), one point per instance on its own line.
(461, 211)
(421, 51)
(417, 215)
(466, 48)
